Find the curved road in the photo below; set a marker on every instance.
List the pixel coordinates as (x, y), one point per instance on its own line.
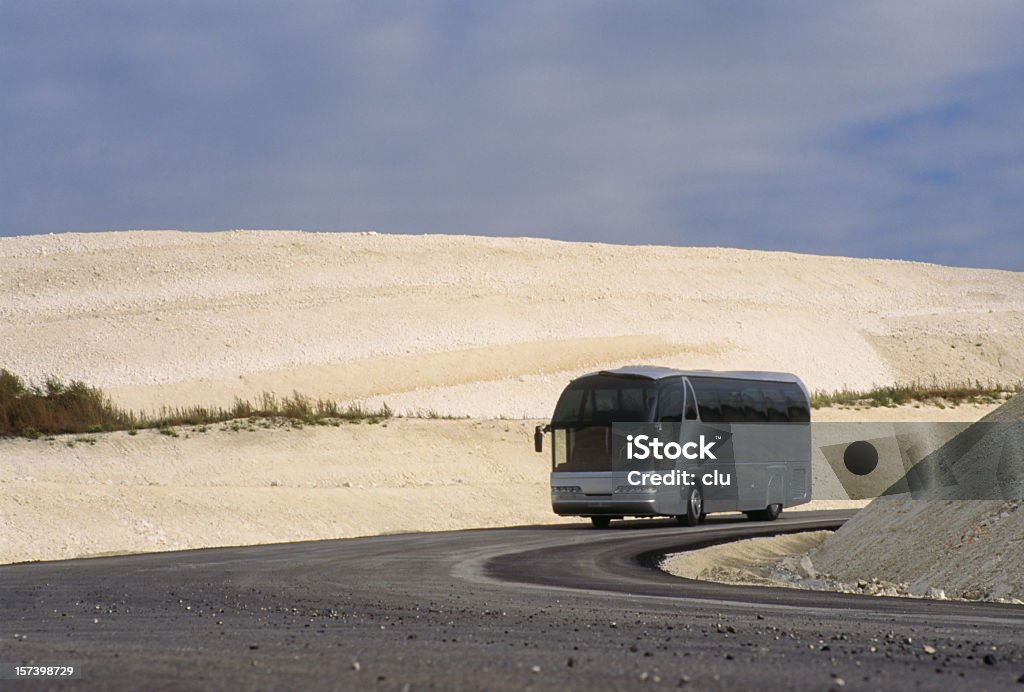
(556, 607)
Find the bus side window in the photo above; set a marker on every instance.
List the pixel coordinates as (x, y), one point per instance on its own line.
(775, 401)
(670, 402)
(753, 405)
(796, 403)
(709, 401)
(732, 404)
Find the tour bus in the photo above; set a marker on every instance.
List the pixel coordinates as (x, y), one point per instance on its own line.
(742, 444)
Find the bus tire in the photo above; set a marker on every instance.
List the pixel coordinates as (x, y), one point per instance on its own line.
(694, 508)
(769, 513)
(600, 522)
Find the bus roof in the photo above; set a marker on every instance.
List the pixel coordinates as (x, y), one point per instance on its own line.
(655, 372)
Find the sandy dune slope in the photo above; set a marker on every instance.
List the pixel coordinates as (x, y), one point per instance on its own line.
(87, 495)
(484, 327)
(476, 326)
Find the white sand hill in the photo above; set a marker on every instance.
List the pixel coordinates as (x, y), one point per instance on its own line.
(484, 327)
(476, 326)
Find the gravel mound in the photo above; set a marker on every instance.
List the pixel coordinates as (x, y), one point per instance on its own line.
(958, 532)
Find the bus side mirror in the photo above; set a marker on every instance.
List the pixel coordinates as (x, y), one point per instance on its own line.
(538, 438)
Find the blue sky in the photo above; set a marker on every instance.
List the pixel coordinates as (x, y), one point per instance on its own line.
(874, 129)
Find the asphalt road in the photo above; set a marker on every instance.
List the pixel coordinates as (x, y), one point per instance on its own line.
(558, 607)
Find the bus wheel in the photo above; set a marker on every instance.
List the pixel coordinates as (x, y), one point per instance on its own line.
(600, 522)
(769, 513)
(694, 508)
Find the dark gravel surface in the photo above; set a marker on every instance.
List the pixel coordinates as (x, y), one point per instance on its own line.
(563, 607)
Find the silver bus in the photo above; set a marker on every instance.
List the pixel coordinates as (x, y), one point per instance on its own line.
(757, 423)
